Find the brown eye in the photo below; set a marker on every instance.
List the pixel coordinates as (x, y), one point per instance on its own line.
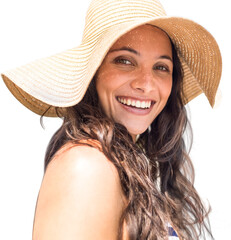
(162, 68)
(123, 61)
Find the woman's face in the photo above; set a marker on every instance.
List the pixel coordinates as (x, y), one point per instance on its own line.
(135, 79)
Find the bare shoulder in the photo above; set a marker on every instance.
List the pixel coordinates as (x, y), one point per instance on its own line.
(83, 161)
(80, 197)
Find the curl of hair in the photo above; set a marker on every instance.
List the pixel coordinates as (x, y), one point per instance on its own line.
(156, 173)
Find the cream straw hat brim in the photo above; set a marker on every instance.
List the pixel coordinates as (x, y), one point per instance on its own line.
(61, 80)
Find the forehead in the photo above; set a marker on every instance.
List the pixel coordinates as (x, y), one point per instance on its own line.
(144, 36)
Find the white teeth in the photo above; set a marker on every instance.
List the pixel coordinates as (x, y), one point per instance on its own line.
(134, 103)
(143, 105)
(138, 104)
(148, 104)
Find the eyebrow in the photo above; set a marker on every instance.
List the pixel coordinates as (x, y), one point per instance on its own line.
(125, 49)
(137, 53)
(166, 57)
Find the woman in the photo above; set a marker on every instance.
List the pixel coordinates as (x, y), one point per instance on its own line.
(118, 168)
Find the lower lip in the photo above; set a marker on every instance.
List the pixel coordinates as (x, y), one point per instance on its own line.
(137, 111)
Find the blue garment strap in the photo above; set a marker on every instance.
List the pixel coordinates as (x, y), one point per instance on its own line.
(171, 232)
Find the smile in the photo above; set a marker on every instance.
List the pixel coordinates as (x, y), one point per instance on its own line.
(135, 103)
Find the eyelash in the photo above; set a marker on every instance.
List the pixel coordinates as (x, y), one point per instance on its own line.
(121, 60)
(125, 61)
(162, 68)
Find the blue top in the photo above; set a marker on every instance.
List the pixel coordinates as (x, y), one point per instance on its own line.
(172, 234)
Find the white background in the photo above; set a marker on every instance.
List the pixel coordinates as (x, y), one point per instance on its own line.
(33, 29)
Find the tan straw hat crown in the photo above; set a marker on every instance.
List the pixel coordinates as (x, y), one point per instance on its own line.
(61, 80)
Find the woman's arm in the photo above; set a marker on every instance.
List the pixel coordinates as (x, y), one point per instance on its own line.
(80, 197)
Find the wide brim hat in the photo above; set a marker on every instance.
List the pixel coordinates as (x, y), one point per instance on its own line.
(61, 80)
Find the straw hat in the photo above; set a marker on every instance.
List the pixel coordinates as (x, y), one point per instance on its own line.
(61, 80)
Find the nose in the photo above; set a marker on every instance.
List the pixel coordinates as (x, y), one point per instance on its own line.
(144, 81)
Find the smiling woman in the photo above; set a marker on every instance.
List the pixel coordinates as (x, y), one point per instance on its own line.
(118, 168)
(134, 81)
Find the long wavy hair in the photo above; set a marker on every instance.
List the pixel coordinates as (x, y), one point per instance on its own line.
(156, 173)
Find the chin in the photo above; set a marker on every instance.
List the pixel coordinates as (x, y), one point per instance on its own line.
(135, 127)
(137, 131)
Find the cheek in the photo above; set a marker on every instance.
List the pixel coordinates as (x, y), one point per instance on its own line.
(102, 83)
(102, 96)
(106, 85)
(166, 89)
(108, 82)
(101, 89)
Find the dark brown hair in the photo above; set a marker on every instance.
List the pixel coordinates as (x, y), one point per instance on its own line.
(156, 173)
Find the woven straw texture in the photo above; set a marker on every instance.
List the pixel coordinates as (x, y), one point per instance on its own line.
(61, 80)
